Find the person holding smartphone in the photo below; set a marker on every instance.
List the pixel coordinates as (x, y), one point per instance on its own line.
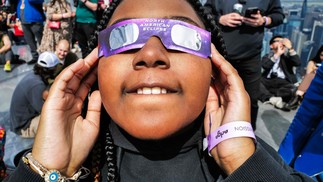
(243, 37)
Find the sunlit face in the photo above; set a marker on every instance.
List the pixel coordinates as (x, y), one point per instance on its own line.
(62, 49)
(153, 93)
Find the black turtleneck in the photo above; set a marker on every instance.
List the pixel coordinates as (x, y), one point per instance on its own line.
(176, 158)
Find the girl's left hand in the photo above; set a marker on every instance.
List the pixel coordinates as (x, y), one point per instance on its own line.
(227, 102)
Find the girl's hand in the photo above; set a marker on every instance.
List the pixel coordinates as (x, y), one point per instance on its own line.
(64, 138)
(227, 102)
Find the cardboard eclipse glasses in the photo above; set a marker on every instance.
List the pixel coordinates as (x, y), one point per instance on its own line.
(174, 34)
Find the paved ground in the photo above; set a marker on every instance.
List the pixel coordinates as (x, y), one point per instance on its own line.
(272, 123)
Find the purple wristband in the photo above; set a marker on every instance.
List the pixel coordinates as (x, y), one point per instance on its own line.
(230, 130)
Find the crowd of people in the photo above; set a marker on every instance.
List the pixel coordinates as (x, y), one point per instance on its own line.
(41, 25)
(114, 115)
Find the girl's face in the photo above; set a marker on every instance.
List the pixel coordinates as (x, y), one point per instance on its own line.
(152, 70)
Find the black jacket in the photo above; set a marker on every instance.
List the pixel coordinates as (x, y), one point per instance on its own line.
(287, 63)
(244, 41)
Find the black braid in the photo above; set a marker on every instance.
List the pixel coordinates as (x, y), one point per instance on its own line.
(210, 23)
(102, 23)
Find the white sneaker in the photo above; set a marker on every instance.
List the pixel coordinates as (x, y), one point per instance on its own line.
(280, 104)
(275, 100)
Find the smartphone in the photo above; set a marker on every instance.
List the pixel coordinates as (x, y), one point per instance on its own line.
(250, 11)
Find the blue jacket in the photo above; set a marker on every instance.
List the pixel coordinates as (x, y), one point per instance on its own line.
(302, 146)
(33, 11)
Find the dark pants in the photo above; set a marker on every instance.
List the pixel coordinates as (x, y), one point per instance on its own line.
(83, 33)
(33, 32)
(250, 72)
(276, 87)
(16, 39)
(4, 57)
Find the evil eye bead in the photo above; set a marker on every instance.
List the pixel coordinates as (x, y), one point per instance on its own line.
(52, 176)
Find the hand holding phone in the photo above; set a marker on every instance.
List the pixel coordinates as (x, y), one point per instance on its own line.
(250, 11)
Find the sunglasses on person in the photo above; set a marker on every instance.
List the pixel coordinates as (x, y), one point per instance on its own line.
(174, 34)
(278, 40)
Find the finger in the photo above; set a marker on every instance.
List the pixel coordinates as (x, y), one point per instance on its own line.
(68, 80)
(62, 80)
(89, 62)
(92, 59)
(94, 109)
(86, 84)
(226, 68)
(234, 96)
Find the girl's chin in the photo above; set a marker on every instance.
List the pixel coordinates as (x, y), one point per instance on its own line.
(156, 131)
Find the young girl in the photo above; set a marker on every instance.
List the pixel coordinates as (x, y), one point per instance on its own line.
(163, 94)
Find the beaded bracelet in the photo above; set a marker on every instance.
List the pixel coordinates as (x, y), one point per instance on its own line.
(230, 130)
(52, 175)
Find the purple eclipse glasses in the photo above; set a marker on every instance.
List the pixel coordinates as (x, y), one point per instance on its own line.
(174, 34)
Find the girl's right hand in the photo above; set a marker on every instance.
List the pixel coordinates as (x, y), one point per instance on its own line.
(64, 138)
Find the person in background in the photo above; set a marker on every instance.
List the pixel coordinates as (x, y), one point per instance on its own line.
(301, 147)
(27, 99)
(3, 23)
(32, 17)
(17, 34)
(61, 11)
(62, 49)
(158, 97)
(278, 78)
(64, 54)
(85, 23)
(6, 54)
(311, 68)
(243, 37)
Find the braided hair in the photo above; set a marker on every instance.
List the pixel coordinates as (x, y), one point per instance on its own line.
(110, 149)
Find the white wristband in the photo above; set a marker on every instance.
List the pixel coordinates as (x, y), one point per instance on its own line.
(230, 130)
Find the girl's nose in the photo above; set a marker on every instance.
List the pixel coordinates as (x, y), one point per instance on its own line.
(152, 55)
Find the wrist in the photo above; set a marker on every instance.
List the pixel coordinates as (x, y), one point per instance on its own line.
(233, 153)
(230, 130)
(52, 174)
(233, 144)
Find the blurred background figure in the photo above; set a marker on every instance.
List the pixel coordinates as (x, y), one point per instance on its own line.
(58, 11)
(16, 34)
(32, 17)
(301, 146)
(6, 54)
(243, 36)
(27, 99)
(311, 68)
(278, 77)
(85, 23)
